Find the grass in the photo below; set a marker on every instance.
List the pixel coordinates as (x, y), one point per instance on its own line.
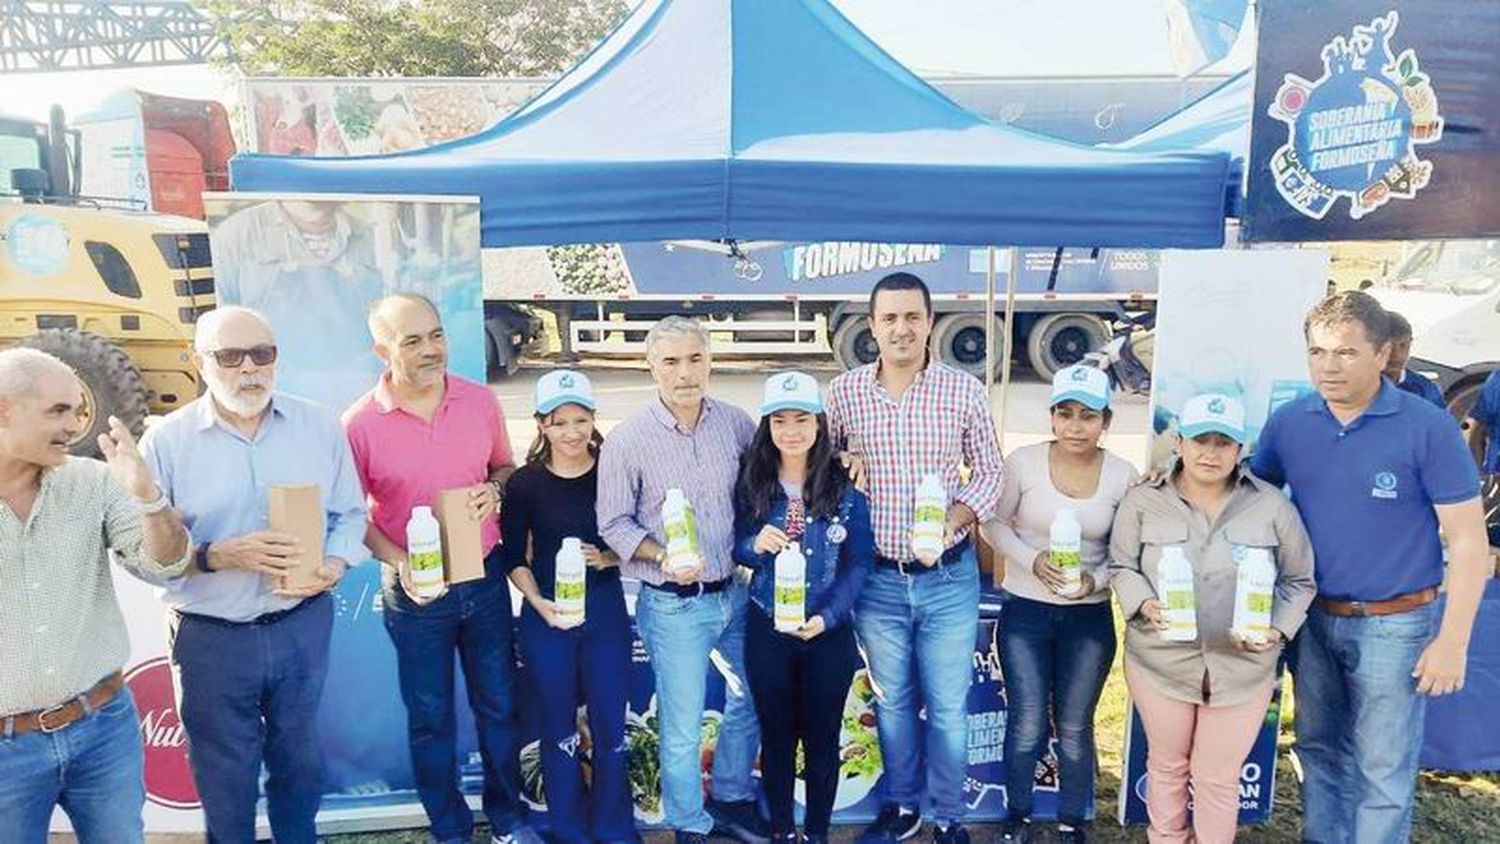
(1451, 807)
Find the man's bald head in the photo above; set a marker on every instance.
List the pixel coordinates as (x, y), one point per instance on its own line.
(409, 337)
(389, 315)
(22, 369)
(231, 326)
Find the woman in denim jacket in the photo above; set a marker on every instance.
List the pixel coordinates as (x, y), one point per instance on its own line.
(792, 489)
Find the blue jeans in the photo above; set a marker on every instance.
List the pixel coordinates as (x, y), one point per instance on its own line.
(679, 633)
(593, 659)
(473, 621)
(91, 768)
(1360, 723)
(918, 631)
(247, 693)
(1055, 658)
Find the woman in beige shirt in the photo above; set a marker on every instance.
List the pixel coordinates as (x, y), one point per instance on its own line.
(1202, 699)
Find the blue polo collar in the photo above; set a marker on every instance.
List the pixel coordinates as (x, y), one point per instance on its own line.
(1387, 402)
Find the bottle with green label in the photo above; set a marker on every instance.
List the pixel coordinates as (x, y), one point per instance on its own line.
(570, 579)
(1254, 593)
(681, 529)
(791, 588)
(1174, 582)
(1066, 550)
(928, 517)
(424, 552)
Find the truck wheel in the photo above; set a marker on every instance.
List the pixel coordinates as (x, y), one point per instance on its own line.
(958, 340)
(112, 384)
(854, 344)
(1058, 341)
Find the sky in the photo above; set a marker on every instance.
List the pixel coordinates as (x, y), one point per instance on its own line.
(934, 37)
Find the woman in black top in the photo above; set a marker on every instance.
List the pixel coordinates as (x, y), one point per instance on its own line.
(547, 500)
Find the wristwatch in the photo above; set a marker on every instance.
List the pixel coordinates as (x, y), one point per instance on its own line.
(661, 556)
(200, 558)
(498, 487)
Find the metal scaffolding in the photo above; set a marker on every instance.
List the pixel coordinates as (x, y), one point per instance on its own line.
(48, 35)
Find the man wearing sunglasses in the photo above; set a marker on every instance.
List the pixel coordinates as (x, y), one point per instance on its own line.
(251, 655)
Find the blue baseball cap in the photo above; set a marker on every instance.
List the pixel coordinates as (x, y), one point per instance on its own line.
(791, 391)
(563, 386)
(1087, 385)
(1213, 413)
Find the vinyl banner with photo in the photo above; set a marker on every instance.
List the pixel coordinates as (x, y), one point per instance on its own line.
(1228, 321)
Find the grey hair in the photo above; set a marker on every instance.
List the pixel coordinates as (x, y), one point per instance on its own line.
(208, 324)
(674, 327)
(21, 368)
(375, 319)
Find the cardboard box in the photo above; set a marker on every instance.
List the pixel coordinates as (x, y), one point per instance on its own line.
(463, 545)
(298, 510)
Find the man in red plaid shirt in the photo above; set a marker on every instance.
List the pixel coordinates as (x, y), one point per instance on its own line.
(907, 416)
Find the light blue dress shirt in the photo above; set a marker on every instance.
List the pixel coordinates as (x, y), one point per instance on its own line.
(220, 481)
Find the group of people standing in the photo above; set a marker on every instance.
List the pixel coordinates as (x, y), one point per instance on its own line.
(1375, 474)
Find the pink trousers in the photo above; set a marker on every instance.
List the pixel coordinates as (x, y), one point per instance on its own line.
(1204, 745)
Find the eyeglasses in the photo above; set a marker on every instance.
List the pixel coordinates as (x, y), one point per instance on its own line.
(232, 358)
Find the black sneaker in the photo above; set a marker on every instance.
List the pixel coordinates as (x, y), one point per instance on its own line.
(1072, 834)
(685, 837)
(784, 838)
(1016, 832)
(814, 839)
(895, 823)
(740, 820)
(953, 833)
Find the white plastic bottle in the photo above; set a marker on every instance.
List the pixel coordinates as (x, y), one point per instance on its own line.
(927, 520)
(1066, 550)
(570, 579)
(1174, 580)
(1254, 593)
(682, 532)
(790, 609)
(424, 551)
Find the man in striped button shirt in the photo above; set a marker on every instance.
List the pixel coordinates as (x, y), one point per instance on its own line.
(688, 441)
(906, 417)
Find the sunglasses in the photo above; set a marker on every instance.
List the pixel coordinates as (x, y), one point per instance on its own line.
(231, 358)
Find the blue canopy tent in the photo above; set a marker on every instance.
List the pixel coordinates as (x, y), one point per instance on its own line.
(1218, 121)
(775, 119)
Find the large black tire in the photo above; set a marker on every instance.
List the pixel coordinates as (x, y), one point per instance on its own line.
(1058, 341)
(112, 383)
(958, 340)
(854, 343)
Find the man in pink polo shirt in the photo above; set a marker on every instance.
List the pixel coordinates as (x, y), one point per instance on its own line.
(421, 431)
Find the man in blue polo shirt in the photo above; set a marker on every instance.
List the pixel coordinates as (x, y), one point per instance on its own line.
(1483, 429)
(1376, 473)
(1395, 365)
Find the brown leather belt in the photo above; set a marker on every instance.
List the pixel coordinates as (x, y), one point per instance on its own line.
(1400, 603)
(55, 718)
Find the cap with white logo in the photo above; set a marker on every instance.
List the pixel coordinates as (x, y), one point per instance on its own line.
(1087, 385)
(791, 391)
(563, 386)
(1213, 413)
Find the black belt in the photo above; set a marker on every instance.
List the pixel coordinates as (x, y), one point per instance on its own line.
(951, 556)
(258, 621)
(690, 590)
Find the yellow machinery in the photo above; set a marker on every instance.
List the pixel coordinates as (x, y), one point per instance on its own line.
(113, 291)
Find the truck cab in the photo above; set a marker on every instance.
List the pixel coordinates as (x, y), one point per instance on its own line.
(1450, 292)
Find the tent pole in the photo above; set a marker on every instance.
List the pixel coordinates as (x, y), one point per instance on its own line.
(989, 324)
(1010, 334)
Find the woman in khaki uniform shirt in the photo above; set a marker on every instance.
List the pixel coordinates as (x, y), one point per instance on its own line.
(1202, 701)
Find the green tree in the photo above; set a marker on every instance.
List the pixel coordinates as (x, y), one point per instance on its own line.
(412, 37)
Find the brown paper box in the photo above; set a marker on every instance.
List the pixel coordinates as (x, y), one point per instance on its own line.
(463, 552)
(298, 510)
